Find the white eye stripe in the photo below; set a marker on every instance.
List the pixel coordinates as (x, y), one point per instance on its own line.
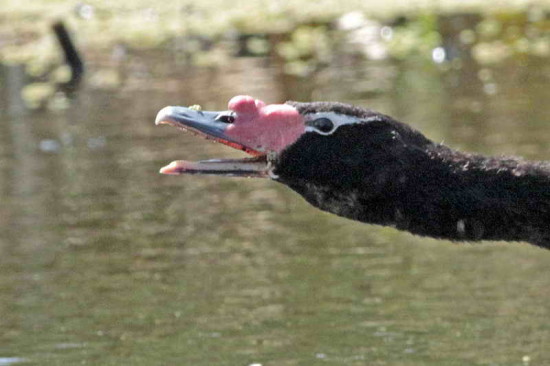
(313, 129)
(337, 119)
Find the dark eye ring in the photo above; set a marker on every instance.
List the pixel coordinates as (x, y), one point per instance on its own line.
(323, 124)
(225, 117)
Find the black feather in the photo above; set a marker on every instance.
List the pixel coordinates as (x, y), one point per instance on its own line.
(384, 172)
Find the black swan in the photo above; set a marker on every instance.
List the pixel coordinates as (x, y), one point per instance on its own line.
(366, 166)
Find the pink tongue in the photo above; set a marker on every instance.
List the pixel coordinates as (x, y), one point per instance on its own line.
(264, 127)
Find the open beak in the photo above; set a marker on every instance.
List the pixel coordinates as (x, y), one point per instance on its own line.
(210, 126)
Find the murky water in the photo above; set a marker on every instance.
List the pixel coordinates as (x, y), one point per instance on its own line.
(105, 262)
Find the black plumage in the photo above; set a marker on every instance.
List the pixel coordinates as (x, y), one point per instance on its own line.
(384, 172)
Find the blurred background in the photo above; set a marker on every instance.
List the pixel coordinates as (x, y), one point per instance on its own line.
(105, 262)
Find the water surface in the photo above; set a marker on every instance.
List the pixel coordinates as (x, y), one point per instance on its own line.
(103, 261)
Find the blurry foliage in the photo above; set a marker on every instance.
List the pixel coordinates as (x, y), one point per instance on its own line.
(306, 48)
(417, 37)
(36, 94)
(308, 28)
(257, 46)
(502, 35)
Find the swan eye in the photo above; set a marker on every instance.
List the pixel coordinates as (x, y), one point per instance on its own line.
(226, 117)
(324, 125)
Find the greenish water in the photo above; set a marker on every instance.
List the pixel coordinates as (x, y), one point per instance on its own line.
(105, 262)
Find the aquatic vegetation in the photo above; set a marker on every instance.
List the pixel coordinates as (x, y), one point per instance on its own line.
(416, 37)
(305, 48)
(36, 95)
(303, 34)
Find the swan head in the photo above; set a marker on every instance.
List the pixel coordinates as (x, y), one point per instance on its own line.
(292, 142)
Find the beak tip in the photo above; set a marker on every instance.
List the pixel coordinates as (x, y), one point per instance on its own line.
(163, 115)
(167, 172)
(170, 169)
(174, 168)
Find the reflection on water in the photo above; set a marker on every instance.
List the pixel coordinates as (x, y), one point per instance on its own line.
(103, 261)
